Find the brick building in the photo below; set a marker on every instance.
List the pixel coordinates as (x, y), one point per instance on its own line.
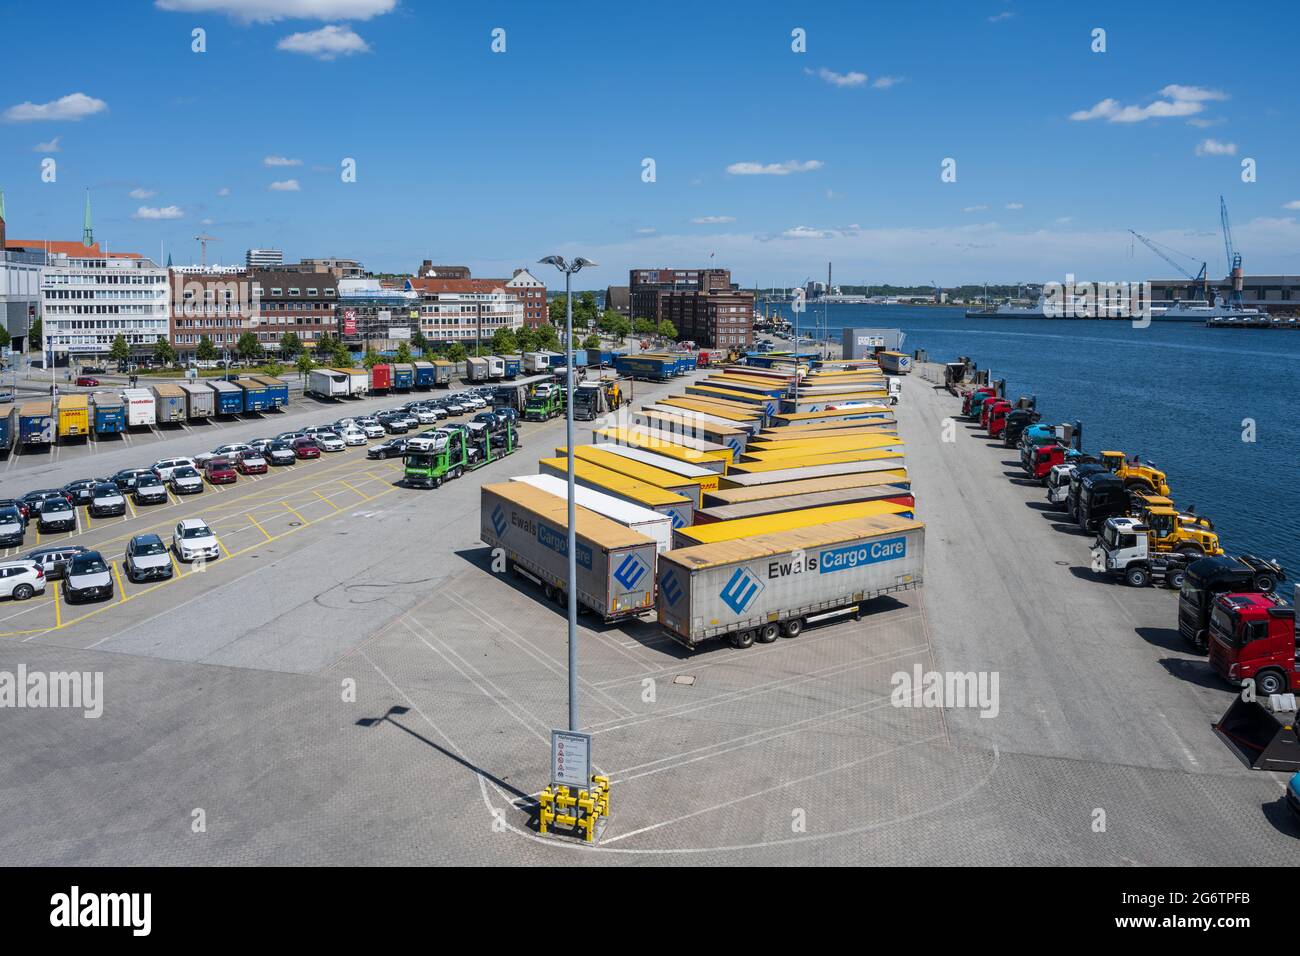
(645, 286)
(712, 319)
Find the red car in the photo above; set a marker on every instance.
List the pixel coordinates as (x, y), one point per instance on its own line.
(87, 382)
(220, 471)
(306, 448)
(251, 463)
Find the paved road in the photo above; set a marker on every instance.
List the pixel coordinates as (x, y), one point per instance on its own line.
(368, 691)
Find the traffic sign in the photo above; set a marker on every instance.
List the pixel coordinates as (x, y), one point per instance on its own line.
(570, 758)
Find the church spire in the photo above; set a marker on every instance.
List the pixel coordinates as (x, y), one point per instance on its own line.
(87, 233)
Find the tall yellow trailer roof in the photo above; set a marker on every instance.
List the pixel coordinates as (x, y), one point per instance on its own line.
(684, 422)
(832, 414)
(733, 410)
(784, 521)
(587, 524)
(851, 426)
(823, 446)
(648, 474)
(730, 394)
(700, 556)
(661, 444)
(750, 467)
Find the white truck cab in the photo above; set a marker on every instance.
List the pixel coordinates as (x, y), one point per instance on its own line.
(1058, 483)
(1123, 550)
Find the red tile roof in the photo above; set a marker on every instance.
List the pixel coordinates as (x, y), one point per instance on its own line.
(62, 247)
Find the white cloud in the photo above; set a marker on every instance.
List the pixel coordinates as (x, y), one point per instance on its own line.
(979, 208)
(1177, 100)
(223, 192)
(1004, 15)
(1293, 204)
(154, 212)
(269, 11)
(774, 169)
(325, 44)
(285, 186)
(281, 161)
(710, 220)
(1064, 220)
(51, 147)
(139, 193)
(842, 79)
(646, 231)
(70, 108)
(1212, 147)
(1015, 205)
(1201, 122)
(885, 82)
(807, 232)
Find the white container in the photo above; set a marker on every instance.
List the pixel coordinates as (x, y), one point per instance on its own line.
(141, 407)
(649, 523)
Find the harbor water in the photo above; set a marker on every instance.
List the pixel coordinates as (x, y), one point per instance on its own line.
(1217, 409)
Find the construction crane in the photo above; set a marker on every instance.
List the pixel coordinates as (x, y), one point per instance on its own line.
(1200, 282)
(1235, 274)
(203, 239)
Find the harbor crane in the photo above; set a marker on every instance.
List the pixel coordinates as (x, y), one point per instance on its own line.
(1200, 282)
(1235, 274)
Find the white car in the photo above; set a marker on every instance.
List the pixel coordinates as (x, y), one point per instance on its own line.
(164, 468)
(426, 416)
(232, 452)
(328, 441)
(353, 436)
(193, 539)
(21, 579)
(371, 428)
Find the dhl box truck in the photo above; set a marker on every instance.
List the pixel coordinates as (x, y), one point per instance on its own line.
(74, 416)
(754, 589)
(615, 565)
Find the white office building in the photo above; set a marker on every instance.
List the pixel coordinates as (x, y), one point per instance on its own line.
(86, 303)
(465, 316)
(263, 258)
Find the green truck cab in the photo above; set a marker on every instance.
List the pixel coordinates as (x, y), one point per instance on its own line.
(546, 402)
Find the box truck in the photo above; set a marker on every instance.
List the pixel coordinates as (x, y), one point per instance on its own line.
(652, 524)
(357, 380)
(736, 528)
(801, 502)
(697, 425)
(200, 401)
(654, 368)
(141, 407)
(846, 484)
(443, 372)
(536, 362)
(757, 588)
(229, 397)
(615, 565)
(329, 383)
(74, 416)
(109, 413)
(677, 508)
(784, 463)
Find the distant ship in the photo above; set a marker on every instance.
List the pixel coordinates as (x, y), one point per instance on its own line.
(1008, 311)
(1198, 310)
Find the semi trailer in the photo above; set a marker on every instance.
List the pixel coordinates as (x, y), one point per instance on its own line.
(109, 412)
(328, 383)
(229, 397)
(277, 390)
(679, 509)
(200, 401)
(652, 524)
(36, 423)
(74, 416)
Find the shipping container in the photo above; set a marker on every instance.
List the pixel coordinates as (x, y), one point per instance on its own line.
(36, 423)
(810, 447)
(256, 396)
(615, 566)
(200, 401)
(109, 413)
(713, 457)
(802, 486)
(887, 465)
(277, 390)
(779, 464)
(677, 508)
(784, 521)
(74, 416)
(229, 397)
(425, 375)
(658, 527)
(381, 378)
(892, 494)
(403, 376)
(649, 474)
(704, 477)
(141, 407)
(328, 383)
(8, 431)
(753, 589)
(477, 369)
(698, 425)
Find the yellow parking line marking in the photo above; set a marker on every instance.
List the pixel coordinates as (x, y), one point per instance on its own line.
(259, 527)
(325, 498)
(121, 589)
(296, 514)
(364, 496)
(58, 610)
(134, 513)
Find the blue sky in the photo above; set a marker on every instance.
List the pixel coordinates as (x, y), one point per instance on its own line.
(493, 160)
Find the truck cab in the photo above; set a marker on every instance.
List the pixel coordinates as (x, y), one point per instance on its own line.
(1018, 419)
(1123, 549)
(968, 405)
(996, 419)
(1136, 474)
(1033, 438)
(431, 459)
(544, 403)
(1209, 577)
(1101, 496)
(977, 400)
(989, 406)
(1253, 636)
(1044, 458)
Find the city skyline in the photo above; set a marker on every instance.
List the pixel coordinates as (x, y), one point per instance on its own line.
(766, 161)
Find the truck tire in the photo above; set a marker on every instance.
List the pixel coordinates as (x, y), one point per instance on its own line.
(743, 639)
(1174, 579)
(1270, 682)
(1191, 551)
(769, 632)
(794, 627)
(1137, 577)
(1264, 583)
(549, 592)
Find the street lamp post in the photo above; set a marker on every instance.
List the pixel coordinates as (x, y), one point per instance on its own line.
(569, 268)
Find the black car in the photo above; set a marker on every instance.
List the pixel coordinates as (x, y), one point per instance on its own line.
(80, 492)
(87, 577)
(126, 478)
(281, 453)
(56, 514)
(23, 507)
(33, 499)
(149, 489)
(393, 448)
(13, 527)
(393, 425)
(147, 559)
(55, 558)
(93, 370)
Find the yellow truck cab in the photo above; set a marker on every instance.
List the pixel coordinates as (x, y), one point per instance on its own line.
(1135, 474)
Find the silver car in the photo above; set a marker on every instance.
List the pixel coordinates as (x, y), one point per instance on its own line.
(328, 441)
(147, 559)
(186, 481)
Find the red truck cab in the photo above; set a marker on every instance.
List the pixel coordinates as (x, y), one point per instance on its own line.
(1254, 636)
(969, 396)
(993, 416)
(1042, 459)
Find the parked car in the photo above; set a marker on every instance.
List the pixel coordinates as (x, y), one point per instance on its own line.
(186, 480)
(329, 441)
(149, 490)
(393, 425)
(22, 506)
(107, 501)
(93, 370)
(393, 448)
(281, 453)
(220, 471)
(193, 539)
(126, 478)
(13, 527)
(86, 381)
(56, 514)
(372, 427)
(251, 462)
(305, 447)
(147, 559)
(33, 499)
(352, 436)
(87, 578)
(164, 468)
(79, 492)
(22, 579)
(54, 558)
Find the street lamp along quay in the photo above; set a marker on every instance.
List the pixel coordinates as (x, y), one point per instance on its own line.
(569, 268)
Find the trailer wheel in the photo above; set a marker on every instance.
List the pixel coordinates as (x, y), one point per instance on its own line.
(794, 627)
(1270, 682)
(549, 591)
(769, 632)
(1174, 579)
(742, 639)
(1137, 577)
(1264, 583)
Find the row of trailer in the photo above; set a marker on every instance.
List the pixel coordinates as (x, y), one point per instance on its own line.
(720, 518)
(44, 422)
(385, 377)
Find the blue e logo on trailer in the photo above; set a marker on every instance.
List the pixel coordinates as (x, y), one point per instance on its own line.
(740, 590)
(630, 571)
(498, 521)
(669, 587)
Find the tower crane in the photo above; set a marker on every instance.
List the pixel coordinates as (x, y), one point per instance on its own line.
(1235, 274)
(1200, 283)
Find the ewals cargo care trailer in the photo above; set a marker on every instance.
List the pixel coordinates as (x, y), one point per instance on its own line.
(615, 565)
(690, 450)
(803, 486)
(785, 463)
(706, 478)
(888, 465)
(737, 528)
(803, 501)
(256, 396)
(755, 589)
